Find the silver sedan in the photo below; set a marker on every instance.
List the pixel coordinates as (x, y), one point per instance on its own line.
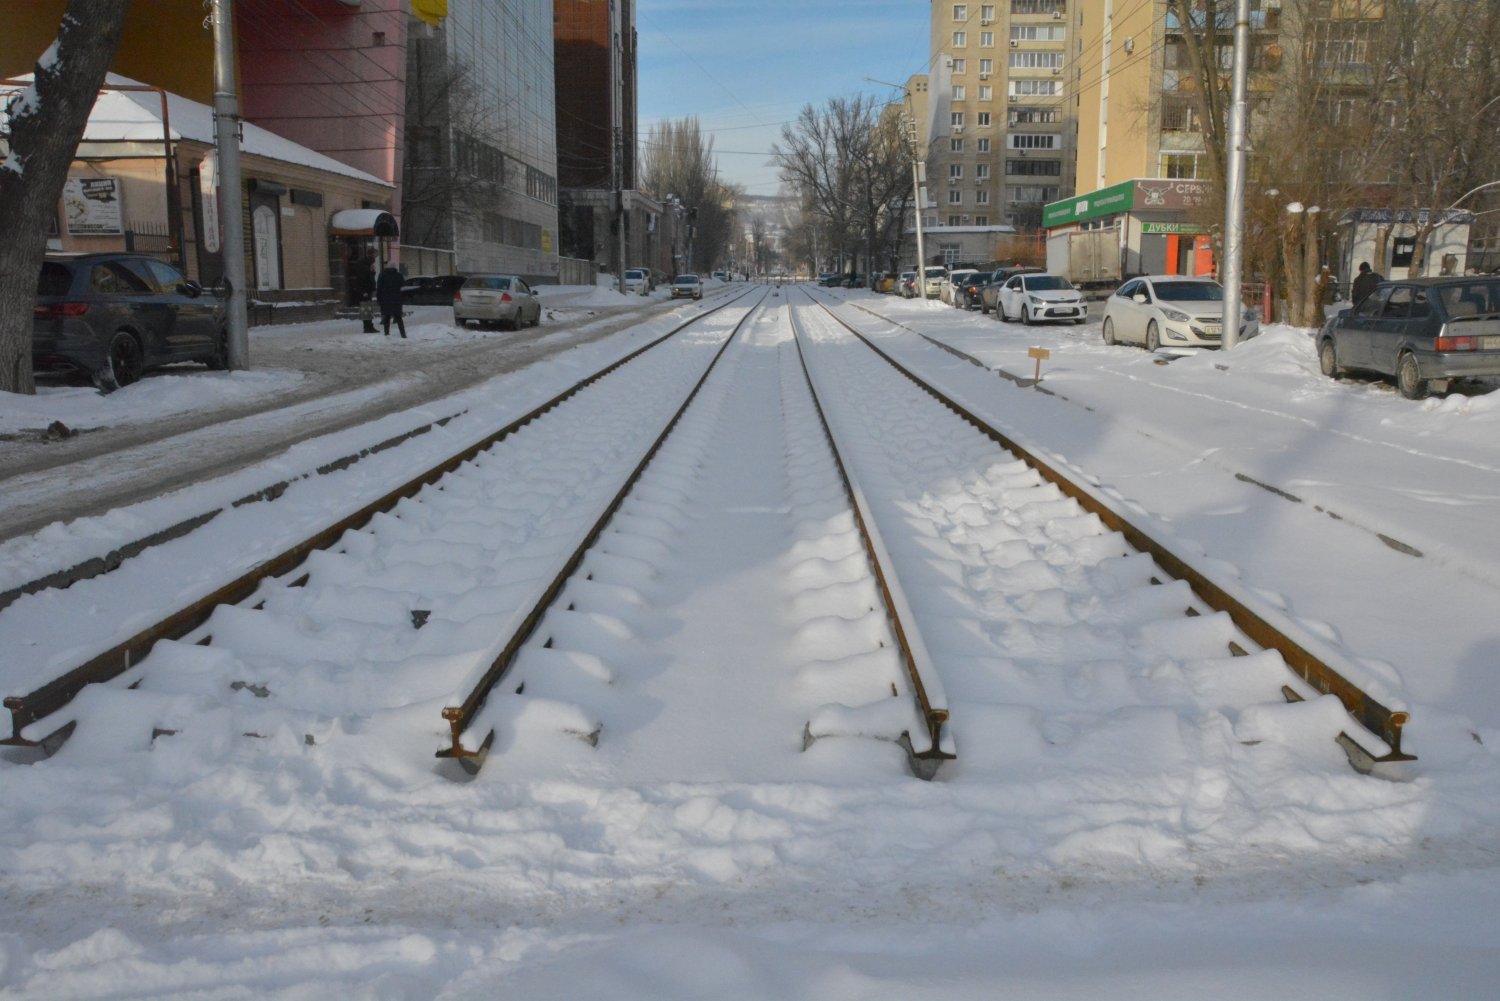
(502, 300)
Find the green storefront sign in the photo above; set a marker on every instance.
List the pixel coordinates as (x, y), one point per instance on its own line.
(1173, 228)
(1106, 201)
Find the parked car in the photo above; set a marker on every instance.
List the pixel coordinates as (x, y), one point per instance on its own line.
(1424, 331)
(1172, 310)
(951, 286)
(431, 290)
(1039, 297)
(970, 293)
(687, 287)
(936, 277)
(500, 300)
(637, 281)
(990, 294)
(112, 316)
(906, 284)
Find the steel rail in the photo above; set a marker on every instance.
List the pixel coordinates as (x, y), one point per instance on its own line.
(1378, 719)
(52, 696)
(912, 647)
(461, 716)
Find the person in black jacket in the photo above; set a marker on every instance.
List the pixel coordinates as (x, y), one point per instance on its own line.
(1364, 284)
(388, 295)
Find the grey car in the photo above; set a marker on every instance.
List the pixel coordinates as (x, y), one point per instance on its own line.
(498, 300)
(1424, 331)
(112, 316)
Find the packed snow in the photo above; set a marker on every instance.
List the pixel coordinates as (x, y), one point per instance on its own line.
(695, 792)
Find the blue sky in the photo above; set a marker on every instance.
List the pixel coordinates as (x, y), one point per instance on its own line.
(744, 68)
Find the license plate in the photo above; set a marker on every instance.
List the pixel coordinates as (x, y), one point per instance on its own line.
(1489, 343)
(1065, 311)
(1213, 329)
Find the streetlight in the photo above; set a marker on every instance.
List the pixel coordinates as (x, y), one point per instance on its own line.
(918, 167)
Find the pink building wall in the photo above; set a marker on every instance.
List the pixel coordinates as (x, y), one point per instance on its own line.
(329, 74)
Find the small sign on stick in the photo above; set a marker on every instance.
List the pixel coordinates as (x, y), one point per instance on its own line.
(1040, 354)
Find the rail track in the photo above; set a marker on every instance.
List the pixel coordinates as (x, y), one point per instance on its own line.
(31, 710)
(943, 580)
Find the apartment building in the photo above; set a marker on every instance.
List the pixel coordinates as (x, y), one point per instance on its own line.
(998, 109)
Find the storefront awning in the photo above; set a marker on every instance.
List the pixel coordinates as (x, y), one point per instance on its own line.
(363, 222)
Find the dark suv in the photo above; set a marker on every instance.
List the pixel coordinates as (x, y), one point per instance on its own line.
(112, 316)
(1424, 331)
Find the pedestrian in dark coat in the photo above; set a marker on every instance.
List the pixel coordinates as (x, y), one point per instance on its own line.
(388, 295)
(1365, 283)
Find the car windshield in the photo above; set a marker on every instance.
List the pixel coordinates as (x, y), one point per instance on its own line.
(55, 279)
(635, 274)
(1189, 291)
(1046, 283)
(685, 280)
(487, 281)
(1471, 299)
(936, 272)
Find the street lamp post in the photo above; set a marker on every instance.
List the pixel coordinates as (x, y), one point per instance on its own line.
(918, 169)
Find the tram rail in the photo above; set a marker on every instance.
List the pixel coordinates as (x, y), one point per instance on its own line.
(1380, 721)
(32, 707)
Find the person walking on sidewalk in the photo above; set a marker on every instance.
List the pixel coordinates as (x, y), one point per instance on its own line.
(388, 295)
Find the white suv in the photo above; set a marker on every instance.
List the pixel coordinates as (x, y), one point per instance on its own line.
(637, 281)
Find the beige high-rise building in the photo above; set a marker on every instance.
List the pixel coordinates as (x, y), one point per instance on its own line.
(998, 113)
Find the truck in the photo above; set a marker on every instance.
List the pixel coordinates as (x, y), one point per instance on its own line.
(1089, 257)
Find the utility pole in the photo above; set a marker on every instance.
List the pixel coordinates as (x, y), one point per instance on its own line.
(1232, 267)
(227, 140)
(918, 168)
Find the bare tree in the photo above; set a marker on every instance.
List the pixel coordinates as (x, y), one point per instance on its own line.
(680, 163)
(43, 125)
(851, 166)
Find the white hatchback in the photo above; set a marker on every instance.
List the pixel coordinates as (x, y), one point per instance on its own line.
(1171, 311)
(1033, 297)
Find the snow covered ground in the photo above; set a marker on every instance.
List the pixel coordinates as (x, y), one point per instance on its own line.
(1107, 832)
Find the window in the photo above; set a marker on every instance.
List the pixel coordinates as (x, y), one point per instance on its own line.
(1034, 116)
(981, 220)
(987, 39)
(960, 39)
(955, 197)
(958, 92)
(955, 145)
(1033, 168)
(960, 65)
(982, 170)
(1034, 193)
(1036, 60)
(983, 145)
(987, 11)
(956, 171)
(986, 65)
(1179, 165)
(986, 92)
(1038, 6)
(1038, 33)
(1032, 140)
(1035, 88)
(1402, 249)
(956, 118)
(984, 118)
(960, 12)
(953, 220)
(1178, 114)
(981, 197)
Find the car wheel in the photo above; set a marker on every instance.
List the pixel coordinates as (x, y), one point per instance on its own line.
(460, 323)
(1109, 332)
(1000, 313)
(123, 364)
(1153, 337)
(1025, 316)
(1409, 378)
(1328, 360)
(219, 360)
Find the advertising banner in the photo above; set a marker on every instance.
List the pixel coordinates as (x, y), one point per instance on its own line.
(91, 206)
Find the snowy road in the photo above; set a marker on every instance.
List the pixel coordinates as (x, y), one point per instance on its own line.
(1132, 813)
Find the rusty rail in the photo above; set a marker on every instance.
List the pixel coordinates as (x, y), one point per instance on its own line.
(1379, 720)
(461, 717)
(913, 649)
(54, 695)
